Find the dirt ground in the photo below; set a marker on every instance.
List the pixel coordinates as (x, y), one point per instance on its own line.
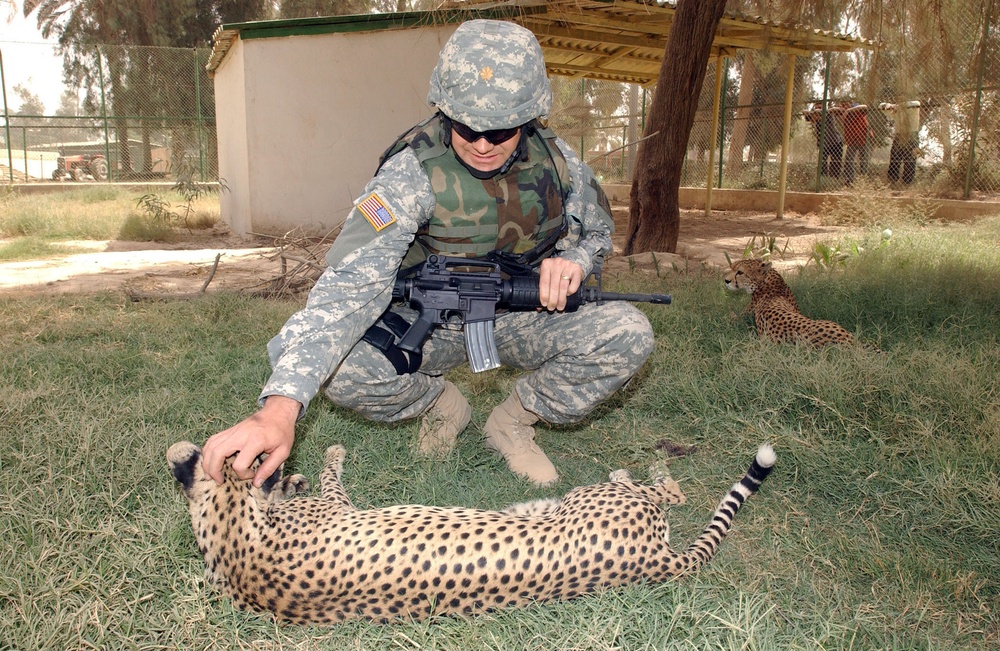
(182, 267)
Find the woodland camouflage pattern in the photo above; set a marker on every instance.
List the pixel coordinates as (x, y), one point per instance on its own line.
(510, 212)
(357, 288)
(491, 75)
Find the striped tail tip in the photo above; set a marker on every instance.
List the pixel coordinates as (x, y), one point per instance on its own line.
(759, 469)
(766, 456)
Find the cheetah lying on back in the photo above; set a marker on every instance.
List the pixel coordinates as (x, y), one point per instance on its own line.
(320, 560)
(775, 310)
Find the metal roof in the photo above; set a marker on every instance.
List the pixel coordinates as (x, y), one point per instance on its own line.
(613, 40)
(625, 40)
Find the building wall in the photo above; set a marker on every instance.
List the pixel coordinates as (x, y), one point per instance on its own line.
(303, 119)
(231, 132)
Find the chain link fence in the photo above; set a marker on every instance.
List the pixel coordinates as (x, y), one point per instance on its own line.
(116, 114)
(917, 114)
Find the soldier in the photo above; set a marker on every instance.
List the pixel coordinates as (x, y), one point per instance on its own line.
(482, 174)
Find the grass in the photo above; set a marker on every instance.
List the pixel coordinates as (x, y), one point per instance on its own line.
(34, 224)
(877, 530)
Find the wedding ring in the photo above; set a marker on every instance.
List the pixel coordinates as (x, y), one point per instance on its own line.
(565, 277)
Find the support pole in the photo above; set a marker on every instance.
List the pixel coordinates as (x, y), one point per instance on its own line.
(977, 112)
(6, 122)
(822, 126)
(104, 116)
(715, 132)
(197, 104)
(786, 135)
(722, 115)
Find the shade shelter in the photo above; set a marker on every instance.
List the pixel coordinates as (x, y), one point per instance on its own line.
(304, 107)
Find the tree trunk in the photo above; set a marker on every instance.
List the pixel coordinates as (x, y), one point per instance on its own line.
(738, 141)
(654, 211)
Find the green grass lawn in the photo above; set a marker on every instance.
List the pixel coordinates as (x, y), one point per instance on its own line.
(878, 529)
(38, 225)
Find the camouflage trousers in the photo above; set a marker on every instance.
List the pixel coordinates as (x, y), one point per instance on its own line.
(576, 360)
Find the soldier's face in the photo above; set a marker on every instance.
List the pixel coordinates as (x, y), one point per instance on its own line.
(481, 154)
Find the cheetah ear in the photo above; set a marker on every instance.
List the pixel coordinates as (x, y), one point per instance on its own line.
(184, 458)
(765, 264)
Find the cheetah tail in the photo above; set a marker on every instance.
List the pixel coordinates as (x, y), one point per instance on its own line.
(707, 544)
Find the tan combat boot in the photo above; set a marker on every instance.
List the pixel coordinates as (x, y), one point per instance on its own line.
(446, 417)
(509, 431)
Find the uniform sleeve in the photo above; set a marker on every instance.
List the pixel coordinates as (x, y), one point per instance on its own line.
(589, 214)
(356, 287)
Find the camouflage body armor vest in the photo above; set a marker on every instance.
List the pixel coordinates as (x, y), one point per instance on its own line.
(513, 212)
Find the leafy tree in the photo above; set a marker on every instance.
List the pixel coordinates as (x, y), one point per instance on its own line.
(90, 35)
(31, 104)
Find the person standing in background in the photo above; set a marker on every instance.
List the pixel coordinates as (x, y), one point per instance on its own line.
(828, 140)
(905, 140)
(856, 133)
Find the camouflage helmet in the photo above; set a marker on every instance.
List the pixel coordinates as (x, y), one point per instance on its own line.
(491, 75)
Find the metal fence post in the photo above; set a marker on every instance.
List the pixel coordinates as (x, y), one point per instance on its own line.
(977, 111)
(104, 115)
(6, 122)
(821, 140)
(197, 101)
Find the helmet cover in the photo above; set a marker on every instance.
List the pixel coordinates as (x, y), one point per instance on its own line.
(491, 75)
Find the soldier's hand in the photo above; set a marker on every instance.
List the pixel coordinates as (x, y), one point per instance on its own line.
(270, 430)
(558, 278)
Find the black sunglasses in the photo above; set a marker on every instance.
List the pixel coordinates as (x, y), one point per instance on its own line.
(493, 136)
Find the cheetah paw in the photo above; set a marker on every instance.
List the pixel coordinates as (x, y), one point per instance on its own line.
(620, 475)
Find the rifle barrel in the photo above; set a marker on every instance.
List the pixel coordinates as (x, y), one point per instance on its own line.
(658, 299)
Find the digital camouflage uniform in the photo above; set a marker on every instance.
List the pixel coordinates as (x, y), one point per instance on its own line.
(575, 360)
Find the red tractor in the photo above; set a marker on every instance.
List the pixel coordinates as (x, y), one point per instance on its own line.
(79, 166)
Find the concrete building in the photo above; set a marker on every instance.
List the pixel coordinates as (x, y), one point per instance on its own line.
(304, 110)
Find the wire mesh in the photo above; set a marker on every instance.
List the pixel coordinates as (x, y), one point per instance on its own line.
(916, 114)
(121, 113)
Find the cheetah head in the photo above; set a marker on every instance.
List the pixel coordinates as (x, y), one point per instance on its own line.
(227, 511)
(184, 459)
(747, 275)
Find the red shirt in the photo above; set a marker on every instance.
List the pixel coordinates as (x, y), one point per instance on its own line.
(856, 126)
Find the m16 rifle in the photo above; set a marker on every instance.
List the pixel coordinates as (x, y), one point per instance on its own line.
(444, 288)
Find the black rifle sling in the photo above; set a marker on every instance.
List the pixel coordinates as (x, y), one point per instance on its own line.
(385, 340)
(523, 264)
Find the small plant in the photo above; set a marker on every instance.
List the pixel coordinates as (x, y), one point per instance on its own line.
(156, 208)
(191, 189)
(765, 249)
(827, 257)
(160, 211)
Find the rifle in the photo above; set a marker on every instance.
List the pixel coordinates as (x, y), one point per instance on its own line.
(439, 292)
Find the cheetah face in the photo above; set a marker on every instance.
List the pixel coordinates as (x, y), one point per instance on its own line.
(746, 275)
(184, 459)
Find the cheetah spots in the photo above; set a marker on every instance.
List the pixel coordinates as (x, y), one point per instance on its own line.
(318, 560)
(776, 313)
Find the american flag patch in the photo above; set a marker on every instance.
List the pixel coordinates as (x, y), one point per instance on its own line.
(376, 213)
